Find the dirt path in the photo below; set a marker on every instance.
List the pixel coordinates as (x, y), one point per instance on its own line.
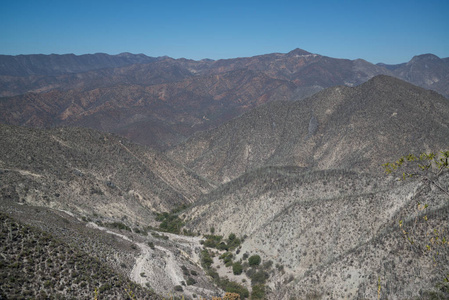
(160, 267)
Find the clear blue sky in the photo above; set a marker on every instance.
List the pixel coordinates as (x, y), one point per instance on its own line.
(390, 31)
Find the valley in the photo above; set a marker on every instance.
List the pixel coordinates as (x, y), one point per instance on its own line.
(152, 178)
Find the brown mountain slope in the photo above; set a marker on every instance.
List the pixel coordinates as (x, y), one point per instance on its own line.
(170, 111)
(160, 102)
(304, 68)
(347, 128)
(87, 172)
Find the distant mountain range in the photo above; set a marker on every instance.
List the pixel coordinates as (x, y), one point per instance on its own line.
(162, 101)
(279, 155)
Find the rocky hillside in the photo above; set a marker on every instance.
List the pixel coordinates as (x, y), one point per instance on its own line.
(34, 264)
(59, 245)
(427, 71)
(339, 128)
(335, 233)
(285, 185)
(88, 172)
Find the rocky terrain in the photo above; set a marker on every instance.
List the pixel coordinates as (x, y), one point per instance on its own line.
(334, 232)
(288, 200)
(339, 128)
(88, 172)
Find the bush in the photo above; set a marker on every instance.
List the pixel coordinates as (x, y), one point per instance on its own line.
(259, 277)
(233, 287)
(254, 260)
(178, 288)
(191, 281)
(258, 292)
(206, 260)
(237, 268)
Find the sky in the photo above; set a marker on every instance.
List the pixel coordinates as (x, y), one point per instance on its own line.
(390, 31)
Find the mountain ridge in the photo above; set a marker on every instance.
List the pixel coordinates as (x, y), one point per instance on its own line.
(337, 118)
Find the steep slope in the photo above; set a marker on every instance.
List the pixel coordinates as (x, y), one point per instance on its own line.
(70, 250)
(346, 128)
(36, 265)
(169, 112)
(427, 71)
(87, 172)
(334, 232)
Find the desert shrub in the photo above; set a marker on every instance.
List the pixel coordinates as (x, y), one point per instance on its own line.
(178, 288)
(206, 260)
(170, 223)
(212, 273)
(259, 277)
(117, 225)
(233, 242)
(151, 245)
(191, 281)
(212, 240)
(258, 292)
(233, 287)
(237, 268)
(254, 260)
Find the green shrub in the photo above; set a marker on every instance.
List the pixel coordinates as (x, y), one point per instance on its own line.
(254, 260)
(259, 277)
(206, 260)
(258, 292)
(178, 288)
(151, 245)
(233, 287)
(237, 268)
(191, 281)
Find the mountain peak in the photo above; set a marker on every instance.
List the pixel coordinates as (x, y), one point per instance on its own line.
(424, 57)
(298, 51)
